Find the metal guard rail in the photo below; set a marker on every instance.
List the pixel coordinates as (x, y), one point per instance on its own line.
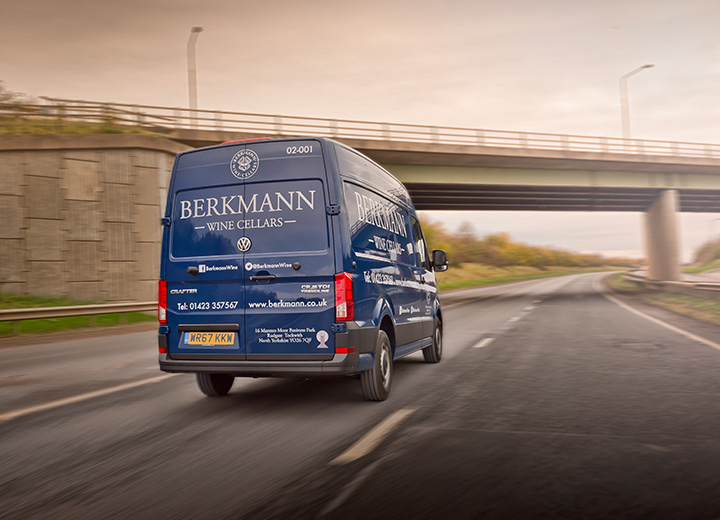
(74, 310)
(56, 112)
(700, 287)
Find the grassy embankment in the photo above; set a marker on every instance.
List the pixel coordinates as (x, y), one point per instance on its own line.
(702, 308)
(701, 269)
(23, 126)
(10, 328)
(473, 275)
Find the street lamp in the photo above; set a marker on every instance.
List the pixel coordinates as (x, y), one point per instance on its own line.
(192, 72)
(624, 106)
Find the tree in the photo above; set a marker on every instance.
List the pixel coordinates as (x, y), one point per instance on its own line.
(9, 97)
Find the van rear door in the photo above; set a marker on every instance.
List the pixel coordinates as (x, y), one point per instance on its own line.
(289, 262)
(204, 271)
(251, 268)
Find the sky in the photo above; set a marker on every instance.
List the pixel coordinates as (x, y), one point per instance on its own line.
(521, 65)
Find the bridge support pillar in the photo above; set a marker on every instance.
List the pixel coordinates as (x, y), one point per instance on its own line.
(662, 238)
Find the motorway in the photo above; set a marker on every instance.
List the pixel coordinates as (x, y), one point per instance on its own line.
(552, 401)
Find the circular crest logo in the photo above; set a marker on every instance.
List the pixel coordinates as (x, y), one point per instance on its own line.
(244, 244)
(244, 164)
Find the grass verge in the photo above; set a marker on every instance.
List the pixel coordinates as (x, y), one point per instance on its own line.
(474, 275)
(701, 308)
(13, 328)
(21, 126)
(698, 270)
(46, 325)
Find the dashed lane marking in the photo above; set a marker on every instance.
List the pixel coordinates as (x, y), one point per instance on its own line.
(78, 398)
(682, 332)
(350, 489)
(484, 343)
(373, 438)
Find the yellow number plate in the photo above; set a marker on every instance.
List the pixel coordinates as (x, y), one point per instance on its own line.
(209, 338)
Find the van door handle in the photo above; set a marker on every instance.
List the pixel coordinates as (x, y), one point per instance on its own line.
(261, 277)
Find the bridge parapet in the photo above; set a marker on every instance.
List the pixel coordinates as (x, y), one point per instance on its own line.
(201, 127)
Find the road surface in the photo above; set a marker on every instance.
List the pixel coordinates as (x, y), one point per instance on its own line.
(552, 401)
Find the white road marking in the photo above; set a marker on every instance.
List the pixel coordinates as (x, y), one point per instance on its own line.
(78, 398)
(350, 488)
(682, 332)
(528, 308)
(372, 439)
(537, 301)
(514, 318)
(484, 343)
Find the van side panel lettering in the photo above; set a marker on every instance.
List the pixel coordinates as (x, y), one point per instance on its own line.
(383, 215)
(377, 226)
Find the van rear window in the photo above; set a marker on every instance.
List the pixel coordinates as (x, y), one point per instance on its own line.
(276, 216)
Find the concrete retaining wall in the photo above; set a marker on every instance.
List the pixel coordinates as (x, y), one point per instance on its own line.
(79, 215)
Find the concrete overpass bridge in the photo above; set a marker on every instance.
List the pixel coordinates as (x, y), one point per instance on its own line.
(452, 168)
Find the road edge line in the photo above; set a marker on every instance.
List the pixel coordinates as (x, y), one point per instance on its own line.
(9, 416)
(368, 442)
(678, 330)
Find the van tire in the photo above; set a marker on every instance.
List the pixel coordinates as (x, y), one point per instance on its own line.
(377, 381)
(214, 385)
(433, 353)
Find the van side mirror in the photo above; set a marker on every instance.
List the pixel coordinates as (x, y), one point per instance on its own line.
(439, 260)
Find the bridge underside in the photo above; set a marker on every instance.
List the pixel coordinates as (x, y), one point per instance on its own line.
(480, 197)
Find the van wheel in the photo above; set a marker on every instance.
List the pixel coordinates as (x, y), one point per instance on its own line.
(377, 381)
(433, 353)
(214, 385)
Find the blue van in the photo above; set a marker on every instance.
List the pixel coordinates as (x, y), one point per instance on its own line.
(293, 258)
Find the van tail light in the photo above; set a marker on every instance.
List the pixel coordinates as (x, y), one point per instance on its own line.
(344, 304)
(162, 301)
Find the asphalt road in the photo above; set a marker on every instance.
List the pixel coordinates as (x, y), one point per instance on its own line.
(551, 402)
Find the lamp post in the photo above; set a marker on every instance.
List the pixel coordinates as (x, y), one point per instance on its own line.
(624, 104)
(192, 72)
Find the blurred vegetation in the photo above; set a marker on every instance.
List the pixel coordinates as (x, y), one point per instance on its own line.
(499, 250)
(473, 275)
(699, 307)
(11, 328)
(18, 301)
(25, 126)
(21, 114)
(707, 258)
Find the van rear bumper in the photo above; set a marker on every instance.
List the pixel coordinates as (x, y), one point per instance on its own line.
(340, 364)
(362, 339)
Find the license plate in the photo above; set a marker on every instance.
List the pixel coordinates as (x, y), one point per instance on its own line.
(209, 338)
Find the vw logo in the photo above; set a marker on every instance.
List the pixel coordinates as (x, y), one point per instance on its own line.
(244, 244)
